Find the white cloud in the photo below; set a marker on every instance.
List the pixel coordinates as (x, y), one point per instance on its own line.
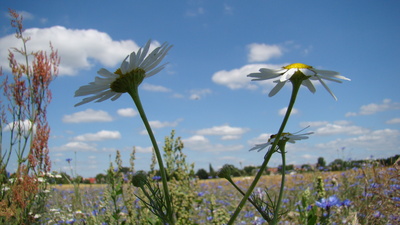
(282, 111)
(387, 140)
(88, 116)
(99, 136)
(155, 88)
(201, 143)
(20, 127)
(127, 112)
(393, 121)
(196, 139)
(199, 93)
(144, 149)
(196, 12)
(227, 132)
(75, 146)
(156, 124)
(325, 128)
(237, 78)
(263, 52)
(79, 49)
(374, 108)
(313, 124)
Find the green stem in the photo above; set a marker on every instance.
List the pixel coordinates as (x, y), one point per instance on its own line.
(259, 209)
(296, 87)
(278, 204)
(135, 96)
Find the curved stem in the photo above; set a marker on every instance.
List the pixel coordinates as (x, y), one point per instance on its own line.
(135, 96)
(278, 204)
(296, 87)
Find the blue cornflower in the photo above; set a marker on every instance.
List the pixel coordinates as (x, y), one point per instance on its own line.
(68, 160)
(396, 199)
(327, 203)
(156, 178)
(346, 202)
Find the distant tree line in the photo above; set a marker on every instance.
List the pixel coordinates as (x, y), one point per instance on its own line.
(321, 165)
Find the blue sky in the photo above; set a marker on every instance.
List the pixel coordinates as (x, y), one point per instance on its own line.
(204, 93)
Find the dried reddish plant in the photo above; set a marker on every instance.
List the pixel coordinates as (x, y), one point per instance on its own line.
(27, 95)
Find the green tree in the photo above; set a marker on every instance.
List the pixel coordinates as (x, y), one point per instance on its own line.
(321, 162)
(250, 170)
(202, 174)
(211, 172)
(100, 178)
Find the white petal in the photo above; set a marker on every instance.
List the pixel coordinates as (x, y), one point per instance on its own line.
(105, 73)
(277, 88)
(133, 60)
(307, 72)
(309, 85)
(286, 76)
(326, 87)
(260, 147)
(124, 66)
(158, 69)
(326, 72)
(116, 96)
(155, 57)
(141, 55)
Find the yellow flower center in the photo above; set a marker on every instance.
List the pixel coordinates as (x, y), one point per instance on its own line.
(297, 66)
(128, 82)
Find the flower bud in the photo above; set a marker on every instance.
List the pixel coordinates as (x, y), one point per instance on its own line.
(139, 179)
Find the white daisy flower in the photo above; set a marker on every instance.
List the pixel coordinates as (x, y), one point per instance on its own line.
(285, 137)
(130, 74)
(308, 73)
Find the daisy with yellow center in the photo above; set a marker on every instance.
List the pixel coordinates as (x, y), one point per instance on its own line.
(298, 71)
(127, 78)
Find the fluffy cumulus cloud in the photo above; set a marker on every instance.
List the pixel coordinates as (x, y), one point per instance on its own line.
(202, 144)
(99, 136)
(263, 52)
(88, 116)
(225, 131)
(76, 146)
(374, 108)
(199, 93)
(325, 128)
(237, 78)
(22, 126)
(155, 88)
(144, 149)
(127, 112)
(282, 111)
(156, 124)
(387, 140)
(393, 121)
(79, 49)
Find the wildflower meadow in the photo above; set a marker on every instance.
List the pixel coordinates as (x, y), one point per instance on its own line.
(171, 191)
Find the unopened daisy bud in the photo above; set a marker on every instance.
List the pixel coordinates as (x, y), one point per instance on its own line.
(225, 172)
(139, 179)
